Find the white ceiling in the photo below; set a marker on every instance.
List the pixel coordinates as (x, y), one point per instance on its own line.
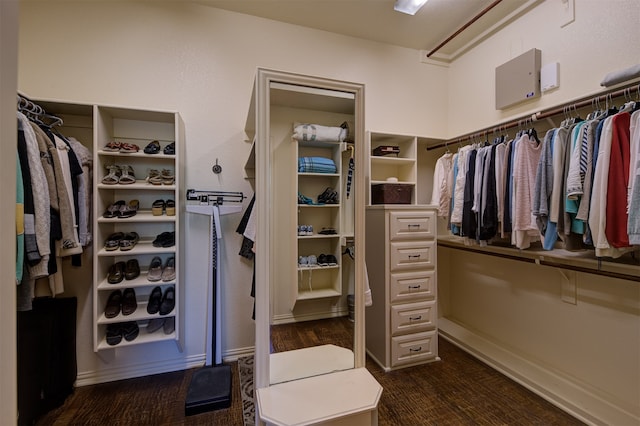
(377, 21)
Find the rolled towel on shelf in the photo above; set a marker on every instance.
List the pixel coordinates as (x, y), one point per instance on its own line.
(318, 133)
(620, 76)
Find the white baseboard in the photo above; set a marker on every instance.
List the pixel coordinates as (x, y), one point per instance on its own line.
(568, 394)
(289, 318)
(110, 374)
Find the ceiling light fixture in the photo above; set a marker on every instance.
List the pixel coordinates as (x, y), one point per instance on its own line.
(410, 7)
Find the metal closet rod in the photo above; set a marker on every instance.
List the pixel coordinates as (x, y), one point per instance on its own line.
(464, 27)
(546, 113)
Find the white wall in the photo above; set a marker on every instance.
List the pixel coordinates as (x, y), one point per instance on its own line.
(201, 62)
(8, 129)
(600, 40)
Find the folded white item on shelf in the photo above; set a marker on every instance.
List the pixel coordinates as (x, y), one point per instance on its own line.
(318, 133)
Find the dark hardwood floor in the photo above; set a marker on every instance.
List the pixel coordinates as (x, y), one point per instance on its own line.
(458, 390)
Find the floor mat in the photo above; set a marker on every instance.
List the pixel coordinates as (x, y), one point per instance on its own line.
(245, 369)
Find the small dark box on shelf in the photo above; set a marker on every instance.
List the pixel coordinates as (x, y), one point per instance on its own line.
(386, 150)
(391, 193)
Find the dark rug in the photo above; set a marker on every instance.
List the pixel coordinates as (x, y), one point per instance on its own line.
(245, 371)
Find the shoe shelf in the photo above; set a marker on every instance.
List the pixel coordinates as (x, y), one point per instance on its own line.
(140, 281)
(140, 185)
(144, 246)
(143, 337)
(142, 128)
(319, 282)
(139, 315)
(140, 154)
(144, 216)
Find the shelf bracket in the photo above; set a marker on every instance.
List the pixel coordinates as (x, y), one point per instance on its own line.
(569, 292)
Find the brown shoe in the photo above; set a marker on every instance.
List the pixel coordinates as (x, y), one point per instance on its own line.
(129, 303)
(112, 309)
(132, 269)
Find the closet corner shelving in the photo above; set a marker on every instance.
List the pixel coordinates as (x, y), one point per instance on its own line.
(297, 287)
(138, 127)
(319, 281)
(402, 166)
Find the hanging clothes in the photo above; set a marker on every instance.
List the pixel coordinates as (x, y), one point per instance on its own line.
(633, 225)
(618, 182)
(524, 173)
(40, 220)
(442, 184)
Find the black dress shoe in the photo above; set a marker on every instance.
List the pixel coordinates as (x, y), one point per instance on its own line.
(132, 269)
(114, 334)
(155, 299)
(129, 303)
(112, 309)
(168, 301)
(116, 273)
(130, 330)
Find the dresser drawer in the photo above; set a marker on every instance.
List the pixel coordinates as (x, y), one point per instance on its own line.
(411, 286)
(412, 255)
(413, 317)
(413, 225)
(414, 348)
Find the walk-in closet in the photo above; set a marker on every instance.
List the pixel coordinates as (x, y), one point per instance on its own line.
(365, 215)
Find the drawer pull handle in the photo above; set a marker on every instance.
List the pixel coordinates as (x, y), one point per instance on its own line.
(415, 287)
(419, 317)
(413, 225)
(414, 256)
(418, 349)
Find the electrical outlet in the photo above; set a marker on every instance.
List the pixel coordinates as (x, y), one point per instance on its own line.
(567, 12)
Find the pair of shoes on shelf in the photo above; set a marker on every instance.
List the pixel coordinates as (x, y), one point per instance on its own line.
(152, 147)
(160, 206)
(163, 177)
(157, 272)
(123, 175)
(327, 231)
(161, 303)
(308, 261)
(120, 301)
(120, 271)
(167, 324)
(327, 260)
(305, 230)
(329, 196)
(121, 147)
(121, 209)
(122, 241)
(165, 239)
(114, 209)
(116, 331)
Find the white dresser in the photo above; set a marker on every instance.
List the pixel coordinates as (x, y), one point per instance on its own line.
(401, 325)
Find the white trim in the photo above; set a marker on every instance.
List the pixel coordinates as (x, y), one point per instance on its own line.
(109, 374)
(565, 392)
